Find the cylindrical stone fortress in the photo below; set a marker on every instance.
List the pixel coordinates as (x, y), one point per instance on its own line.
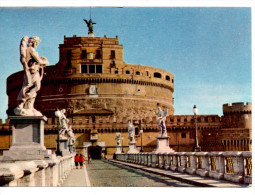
(91, 78)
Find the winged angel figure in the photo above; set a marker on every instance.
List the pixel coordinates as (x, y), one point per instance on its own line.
(161, 118)
(33, 66)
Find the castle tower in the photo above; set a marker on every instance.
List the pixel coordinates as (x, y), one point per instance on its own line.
(237, 131)
(238, 115)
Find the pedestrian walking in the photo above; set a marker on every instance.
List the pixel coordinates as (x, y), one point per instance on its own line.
(89, 159)
(76, 160)
(81, 161)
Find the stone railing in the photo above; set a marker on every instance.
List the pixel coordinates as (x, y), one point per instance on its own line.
(37, 172)
(232, 166)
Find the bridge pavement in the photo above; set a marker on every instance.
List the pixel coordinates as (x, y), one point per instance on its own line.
(113, 173)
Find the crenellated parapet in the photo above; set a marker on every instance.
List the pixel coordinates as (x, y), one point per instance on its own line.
(237, 115)
(238, 107)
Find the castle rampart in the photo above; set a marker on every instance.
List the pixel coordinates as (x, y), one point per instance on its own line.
(238, 107)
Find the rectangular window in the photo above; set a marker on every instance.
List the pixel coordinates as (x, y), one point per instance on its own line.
(183, 135)
(68, 58)
(99, 69)
(98, 55)
(69, 55)
(84, 69)
(68, 64)
(92, 69)
(112, 54)
(84, 54)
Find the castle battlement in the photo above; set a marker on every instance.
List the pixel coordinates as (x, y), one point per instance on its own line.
(237, 107)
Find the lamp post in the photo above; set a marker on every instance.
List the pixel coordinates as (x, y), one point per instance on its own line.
(58, 151)
(196, 147)
(141, 132)
(122, 145)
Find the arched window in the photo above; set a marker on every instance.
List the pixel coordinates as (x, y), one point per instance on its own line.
(127, 72)
(157, 75)
(167, 78)
(137, 73)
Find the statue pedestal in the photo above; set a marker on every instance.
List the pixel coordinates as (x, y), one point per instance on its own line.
(132, 148)
(71, 148)
(118, 151)
(91, 34)
(63, 146)
(27, 139)
(162, 145)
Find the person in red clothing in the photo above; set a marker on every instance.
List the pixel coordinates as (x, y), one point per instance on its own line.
(81, 161)
(76, 160)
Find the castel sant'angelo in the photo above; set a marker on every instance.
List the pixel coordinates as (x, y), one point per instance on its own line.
(101, 93)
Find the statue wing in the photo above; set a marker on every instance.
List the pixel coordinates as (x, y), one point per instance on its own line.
(23, 51)
(165, 112)
(86, 21)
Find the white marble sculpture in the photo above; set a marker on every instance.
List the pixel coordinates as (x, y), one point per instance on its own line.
(64, 128)
(71, 136)
(33, 66)
(117, 139)
(131, 132)
(161, 118)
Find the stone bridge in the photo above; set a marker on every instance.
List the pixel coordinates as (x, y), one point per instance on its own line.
(228, 168)
(231, 166)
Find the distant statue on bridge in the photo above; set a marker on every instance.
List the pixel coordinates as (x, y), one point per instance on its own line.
(90, 25)
(131, 131)
(33, 66)
(161, 118)
(117, 139)
(64, 128)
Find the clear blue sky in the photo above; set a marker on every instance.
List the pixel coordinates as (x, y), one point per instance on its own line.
(207, 49)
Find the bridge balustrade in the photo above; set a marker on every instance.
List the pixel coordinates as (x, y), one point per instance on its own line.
(160, 160)
(174, 162)
(149, 164)
(139, 158)
(231, 166)
(145, 159)
(37, 172)
(135, 158)
(182, 164)
(203, 164)
(167, 161)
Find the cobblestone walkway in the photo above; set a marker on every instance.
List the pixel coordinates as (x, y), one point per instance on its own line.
(108, 174)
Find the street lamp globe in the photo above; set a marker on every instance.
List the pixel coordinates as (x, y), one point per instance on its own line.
(141, 131)
(195, 110)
